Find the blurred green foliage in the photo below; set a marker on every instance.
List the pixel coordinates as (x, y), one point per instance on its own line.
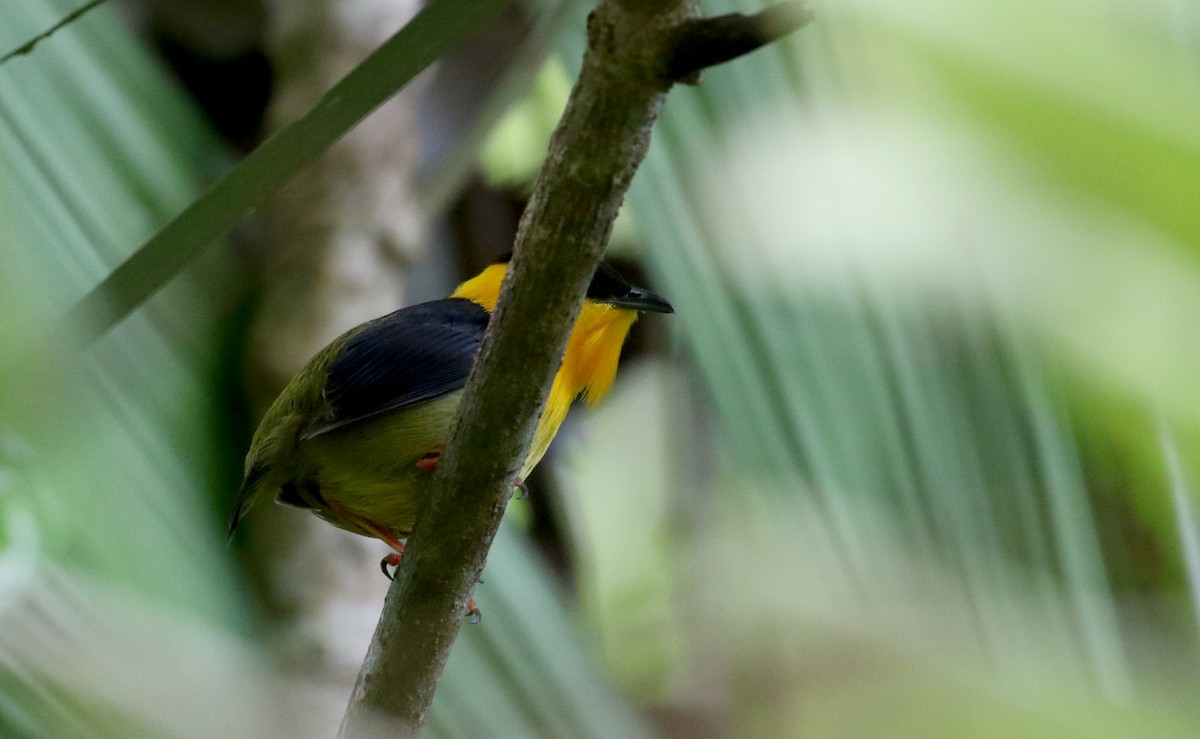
(923, 464)
(932, 263)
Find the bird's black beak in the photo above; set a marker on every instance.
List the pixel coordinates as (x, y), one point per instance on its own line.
(642, 301)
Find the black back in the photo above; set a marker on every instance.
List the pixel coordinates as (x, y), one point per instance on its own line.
(407, 357)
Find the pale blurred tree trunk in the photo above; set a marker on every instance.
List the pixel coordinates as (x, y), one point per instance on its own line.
(332, 253)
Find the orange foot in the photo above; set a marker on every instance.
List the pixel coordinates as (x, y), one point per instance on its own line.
(391, 560)
(364, 525)
(429, 462)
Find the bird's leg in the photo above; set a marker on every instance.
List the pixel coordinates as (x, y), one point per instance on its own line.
(429, 462)
(521, 488)
(391, 537)
(392, 559)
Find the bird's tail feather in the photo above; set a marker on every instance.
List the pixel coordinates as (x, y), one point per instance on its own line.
(245, 499)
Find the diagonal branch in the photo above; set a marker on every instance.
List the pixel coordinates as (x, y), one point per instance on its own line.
(707, 42)
(66, 20)
(602, 138)
(392, 66)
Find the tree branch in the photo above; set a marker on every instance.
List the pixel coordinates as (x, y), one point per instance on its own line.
(707, 42)
(602, 138)
(66, 20)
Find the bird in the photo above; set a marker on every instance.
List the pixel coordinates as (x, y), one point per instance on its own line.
(355, 436)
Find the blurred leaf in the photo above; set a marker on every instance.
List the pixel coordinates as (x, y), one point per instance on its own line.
(617, 479)
(514, 152)
(521, 672)
(883, 238)
(434, 30)
(107, 457)
(122, 433)
(457, 153)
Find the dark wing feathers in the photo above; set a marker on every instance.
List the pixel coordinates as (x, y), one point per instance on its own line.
(407, 357)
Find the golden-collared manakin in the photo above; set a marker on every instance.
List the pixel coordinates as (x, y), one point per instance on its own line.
(355, 436)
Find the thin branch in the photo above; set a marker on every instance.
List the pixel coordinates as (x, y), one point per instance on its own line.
(706, 42)
(27, 47)
(602, 138)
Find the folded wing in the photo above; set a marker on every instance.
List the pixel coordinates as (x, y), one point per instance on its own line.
(404, 358)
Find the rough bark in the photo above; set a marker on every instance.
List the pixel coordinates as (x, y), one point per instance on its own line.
(601, 139)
